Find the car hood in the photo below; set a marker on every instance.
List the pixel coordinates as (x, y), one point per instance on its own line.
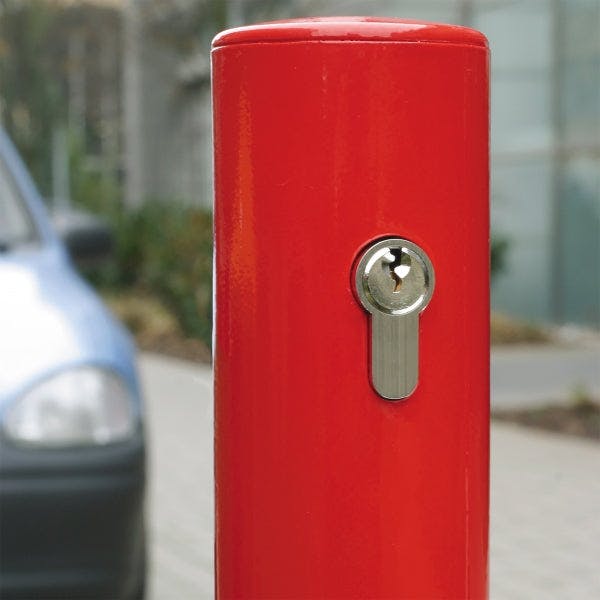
(50, 320)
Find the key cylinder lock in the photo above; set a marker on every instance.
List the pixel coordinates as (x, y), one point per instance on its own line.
(394, 283)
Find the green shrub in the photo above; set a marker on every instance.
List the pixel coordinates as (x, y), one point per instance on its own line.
(498, 254)
(165, 250)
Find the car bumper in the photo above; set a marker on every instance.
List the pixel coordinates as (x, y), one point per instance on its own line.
(71, 522)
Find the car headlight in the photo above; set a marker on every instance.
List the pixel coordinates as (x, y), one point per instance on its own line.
(81, 406)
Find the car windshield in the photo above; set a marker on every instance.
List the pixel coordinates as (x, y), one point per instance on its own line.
(16, 226)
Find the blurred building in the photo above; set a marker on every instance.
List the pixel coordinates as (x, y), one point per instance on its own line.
(166, 106)
(546, 155)
(545, 128)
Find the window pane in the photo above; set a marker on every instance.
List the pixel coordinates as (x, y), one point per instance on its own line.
(15, 223)
(521, 202)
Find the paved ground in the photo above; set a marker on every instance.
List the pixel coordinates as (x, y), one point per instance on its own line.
(179, 403)
(534, 375)
(545, 515)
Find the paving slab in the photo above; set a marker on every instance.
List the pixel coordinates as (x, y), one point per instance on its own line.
(180, 507)
(544, 516)
(545, 495)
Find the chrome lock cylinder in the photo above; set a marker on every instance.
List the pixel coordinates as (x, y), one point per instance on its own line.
(394, 282)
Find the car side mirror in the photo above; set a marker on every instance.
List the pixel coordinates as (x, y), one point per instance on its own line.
(88, 238)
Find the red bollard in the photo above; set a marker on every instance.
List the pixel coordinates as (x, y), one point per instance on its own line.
(332, 135)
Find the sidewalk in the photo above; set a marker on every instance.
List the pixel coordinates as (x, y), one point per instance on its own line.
(545, 513)
(180, 515)
(544, 516)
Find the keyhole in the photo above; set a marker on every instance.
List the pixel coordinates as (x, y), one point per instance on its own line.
(399, 267)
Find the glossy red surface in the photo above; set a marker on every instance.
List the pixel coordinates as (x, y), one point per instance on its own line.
(324, 489)
(351, 28)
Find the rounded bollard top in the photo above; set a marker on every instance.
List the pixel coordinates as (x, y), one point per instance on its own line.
(354, 29)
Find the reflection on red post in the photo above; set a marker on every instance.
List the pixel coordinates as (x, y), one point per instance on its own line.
(330, 134)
